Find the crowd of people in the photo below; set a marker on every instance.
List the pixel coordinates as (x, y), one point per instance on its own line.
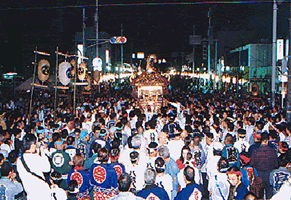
(213, 145)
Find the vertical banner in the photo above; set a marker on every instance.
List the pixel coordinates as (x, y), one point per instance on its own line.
(97, 68)
(280, 49)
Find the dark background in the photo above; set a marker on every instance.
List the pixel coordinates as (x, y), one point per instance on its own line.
(152, 27)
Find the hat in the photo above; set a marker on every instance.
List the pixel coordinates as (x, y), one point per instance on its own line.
(83, 134)
(238, 173)
(217, 146)
(39, 131)
(96, 123)
(102, 132)
(152, 146)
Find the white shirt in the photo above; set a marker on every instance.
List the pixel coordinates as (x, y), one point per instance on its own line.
(35, 188)
(165, 182)
(211, 166)
(150, 135)
(249, 134)
(137, 174)
(198, 177)
(223, 184)
(175, 147)
(284, 192)
(242, 145)
(59, 193)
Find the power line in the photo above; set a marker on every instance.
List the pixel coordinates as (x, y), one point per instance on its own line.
(136, 4)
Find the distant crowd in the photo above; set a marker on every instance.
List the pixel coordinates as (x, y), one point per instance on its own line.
(213, 145)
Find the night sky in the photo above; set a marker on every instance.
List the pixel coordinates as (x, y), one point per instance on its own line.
(160, 29)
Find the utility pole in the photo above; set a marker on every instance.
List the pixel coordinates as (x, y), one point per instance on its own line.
(131, 49)
(288, 107)
(274, 48)
(215, 59)
(208, 49)
(97, 24)
(84, 37)
(193, 65)
(121, 62)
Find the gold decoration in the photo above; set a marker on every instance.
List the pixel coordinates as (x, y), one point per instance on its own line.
(150, 87)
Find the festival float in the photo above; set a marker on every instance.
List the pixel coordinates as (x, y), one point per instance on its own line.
(150, 86)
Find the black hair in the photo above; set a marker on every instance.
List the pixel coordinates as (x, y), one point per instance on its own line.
(246, 154)
(260, 125)
(264, 136)
(129, 139)
(56, 137)
(70, 140)
(114, 152)
(56, 177)
(187, 140)
(103, 155)
(12, 156)
(95, 147)
(152, 124)
(112, 116)
(273, 134)
(229, 138)
(230, 126)
(77, 130)
(282, 161)
(72, 186)
(160, 165)
(189, 174)
(133, 156)
(124, 182)
(96, 128)
(64, 133)
(223, 164)
(16, 131)
(186, 147)
(208, 133)
(217, 152)
(241, 132)
(28, 140)
(6, 167)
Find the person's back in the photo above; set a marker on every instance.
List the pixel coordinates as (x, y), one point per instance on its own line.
(124, 184)
(279, 176)
(163, 180)
(192, 190)
(35, 187)
(264, 160)
(152, 191)
(218, 184)
(9, 186)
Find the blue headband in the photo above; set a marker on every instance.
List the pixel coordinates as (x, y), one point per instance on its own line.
(59, 142)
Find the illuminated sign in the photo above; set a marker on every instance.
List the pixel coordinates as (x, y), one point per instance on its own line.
(140, 55)
(280, 49)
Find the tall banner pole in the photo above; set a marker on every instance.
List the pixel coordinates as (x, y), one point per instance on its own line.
(33, 82)
(56, 83)
(76, 73)
(274, 46)
(288, 100)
